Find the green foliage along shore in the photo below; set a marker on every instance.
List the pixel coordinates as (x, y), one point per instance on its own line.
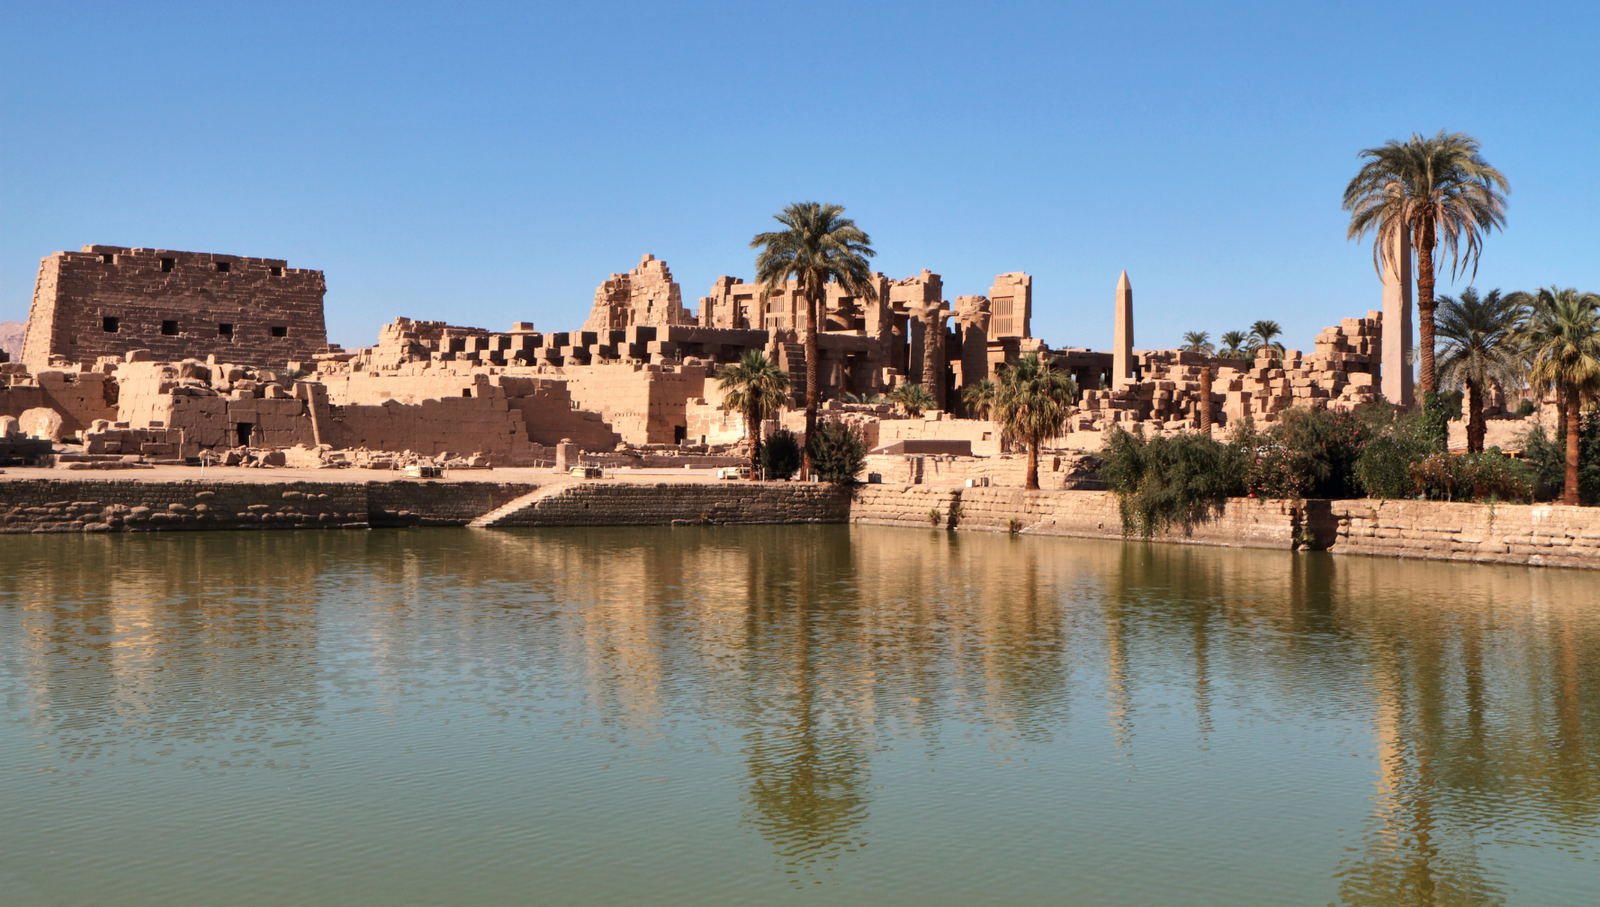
(1183, 479)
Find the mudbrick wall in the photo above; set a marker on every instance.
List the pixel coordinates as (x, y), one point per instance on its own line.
(110, 505)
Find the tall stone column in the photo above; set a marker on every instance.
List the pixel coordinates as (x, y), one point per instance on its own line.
(1397, 381)
(1122, 345)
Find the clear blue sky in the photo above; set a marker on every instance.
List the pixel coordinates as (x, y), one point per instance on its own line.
(493, 163)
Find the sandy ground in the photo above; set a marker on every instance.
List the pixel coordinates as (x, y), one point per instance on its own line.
(532, 475)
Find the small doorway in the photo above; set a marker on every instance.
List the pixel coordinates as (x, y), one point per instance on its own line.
(244, 429)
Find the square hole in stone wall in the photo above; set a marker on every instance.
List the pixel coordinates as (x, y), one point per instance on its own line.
(109, 325)
(225, 331)
(168, 264)
(170, 328)
(276, 271)
(106, 258)
(224, 267)
(279, 330)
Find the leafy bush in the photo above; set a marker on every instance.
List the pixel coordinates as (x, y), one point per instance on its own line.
(1438, 411)
(1384, 469)
(1546, 457)
(912, 399)
(1526, 408)
(1489, 476)
(1165, 480)
(1497, 477)
(838, 452)
(1323, 446)
(1311, 453)
(780, 455)
(1397, 441)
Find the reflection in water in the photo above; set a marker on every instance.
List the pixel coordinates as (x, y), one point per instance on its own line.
(1434, 724)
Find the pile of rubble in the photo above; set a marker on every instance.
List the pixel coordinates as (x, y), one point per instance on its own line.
(1342, 373)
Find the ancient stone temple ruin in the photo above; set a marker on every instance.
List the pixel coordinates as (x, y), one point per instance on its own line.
(177, 356)
(109, 301)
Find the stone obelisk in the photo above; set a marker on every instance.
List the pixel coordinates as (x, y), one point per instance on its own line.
(1397, 380)
(1122, 346)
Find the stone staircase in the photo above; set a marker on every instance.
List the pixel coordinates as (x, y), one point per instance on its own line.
(504, 512)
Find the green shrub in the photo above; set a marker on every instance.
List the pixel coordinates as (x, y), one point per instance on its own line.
(1526, 408)
(1311, 453)
(1384, 469)
(1397, 441)
(1438, 411)
(1588, 459)
(913, 399)
(1497, 477)
(780, 455)
(1488, 476)
(1546, 458)
(838, 452)
(1161, 481)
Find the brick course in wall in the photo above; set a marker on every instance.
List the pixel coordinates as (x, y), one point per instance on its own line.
(108, 301)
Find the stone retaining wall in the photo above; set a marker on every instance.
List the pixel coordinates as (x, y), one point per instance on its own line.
(127, 505)
(437, 503)
(606, 503)
(1550, 535)
(1243, 523)
(1536, 535)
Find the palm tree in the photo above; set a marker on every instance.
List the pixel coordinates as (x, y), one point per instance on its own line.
(1435, 192)
(1032, 404)
(1561, 339)
(979, 398)
(815, 247)
(1479, 348)
(758, 388)
(1200, 342)
(1261, 337)
(912, 399)
(1233, 344)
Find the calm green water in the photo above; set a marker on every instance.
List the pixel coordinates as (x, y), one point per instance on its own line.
(786, 715)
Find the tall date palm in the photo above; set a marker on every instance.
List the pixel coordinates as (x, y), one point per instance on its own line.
(757, 388)
(1439, 193)
(1032, 404)
(1561, 339)
(816, 246)
(1233, 344)
(979, 399)
(1479, 348)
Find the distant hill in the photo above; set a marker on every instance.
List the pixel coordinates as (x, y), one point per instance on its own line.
(11, 338)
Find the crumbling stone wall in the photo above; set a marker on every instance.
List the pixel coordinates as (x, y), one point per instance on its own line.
(79, 397)
(644, 404)
(646, 295)
(108, 300)
(1342, 373)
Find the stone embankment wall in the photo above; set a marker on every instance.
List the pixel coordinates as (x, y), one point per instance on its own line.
(110, 505)
(1536, 535)
(1550, 535)
(635, 504)
(1243, 523)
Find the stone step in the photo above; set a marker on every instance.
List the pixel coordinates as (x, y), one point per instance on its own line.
(505, 511)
